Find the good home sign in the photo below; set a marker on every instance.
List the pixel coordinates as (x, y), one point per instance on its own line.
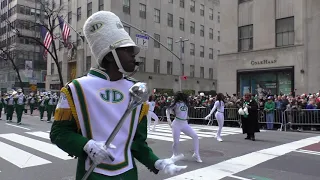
(253, 63)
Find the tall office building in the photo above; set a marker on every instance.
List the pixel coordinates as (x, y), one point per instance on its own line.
(21, 15)
(166, 21)
(269, 46)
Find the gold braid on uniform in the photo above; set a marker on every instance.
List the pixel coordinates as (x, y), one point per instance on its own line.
(72, 106)
(144, 111)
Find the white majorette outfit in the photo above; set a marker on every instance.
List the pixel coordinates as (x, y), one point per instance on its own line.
(219, 106)
(152, 115)
(180, 124)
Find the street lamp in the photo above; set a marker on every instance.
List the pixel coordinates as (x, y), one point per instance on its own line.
(181, 41)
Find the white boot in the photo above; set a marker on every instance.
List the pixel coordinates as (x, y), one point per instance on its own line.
(197, 157)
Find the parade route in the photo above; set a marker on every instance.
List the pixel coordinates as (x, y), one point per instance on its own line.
(26, 153)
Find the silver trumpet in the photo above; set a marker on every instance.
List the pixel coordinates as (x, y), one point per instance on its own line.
(138, 94)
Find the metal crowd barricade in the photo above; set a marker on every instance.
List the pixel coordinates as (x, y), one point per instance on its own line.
(302, 117)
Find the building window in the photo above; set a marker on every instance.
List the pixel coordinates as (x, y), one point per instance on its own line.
(192, 5)
(170, 1)
(127, 28)
(169, 67)
(88, 63)
(210, 53)
(182, 3)
(201, 72)
(79, 14)
(242, 1)
(182, 68)
(181, 24)
(157, 15)
(245, 42)
(170, 43)
(285, 31)
(69, 17)
(192, 27)
(201, 51)
(201, 9)
(101, 5)
(211, 33)
(142, 11)
(156, 44)
(156, 66)
(170, 20)
(142, 67)
(191, 70)
(218, 36)
(210, 73)
(192, 49)
(126, 6)
(211, 14)
(52, 68)
(89, 9)
(201, 30)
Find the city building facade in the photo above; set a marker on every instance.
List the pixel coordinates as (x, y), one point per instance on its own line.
(26, 53)
(269, 46)
(164, 20)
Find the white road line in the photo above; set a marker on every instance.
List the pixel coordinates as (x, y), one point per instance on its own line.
(150, 136)
(308, 152)
(238, 177)
(48, 131)
(200, 134)
(20, 158)
(241, 163)
(18, 126)
(37, 145)
(168, 135)
(41, 134)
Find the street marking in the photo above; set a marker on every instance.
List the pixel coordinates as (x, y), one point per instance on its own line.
(307, 152)
(238, 177)
(43, 135)
(150, 136)
(17, 126)
(48, 131)
(241, 163)
(168, 135)
(37, 145)
(20, 158)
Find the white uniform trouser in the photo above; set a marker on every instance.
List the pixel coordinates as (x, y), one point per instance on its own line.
(220, 119)
(179, 126)
(152, 115)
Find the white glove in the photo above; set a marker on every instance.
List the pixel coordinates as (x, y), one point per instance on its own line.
(97, 151)
(168, 165)
(207, 117)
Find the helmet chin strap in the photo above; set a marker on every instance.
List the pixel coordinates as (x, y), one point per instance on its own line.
(116, 58)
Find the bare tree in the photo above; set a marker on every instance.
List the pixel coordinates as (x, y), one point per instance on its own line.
(51, 12)
(7, 56)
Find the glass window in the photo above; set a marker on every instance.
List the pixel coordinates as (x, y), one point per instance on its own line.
(285, 31)
(245, 41)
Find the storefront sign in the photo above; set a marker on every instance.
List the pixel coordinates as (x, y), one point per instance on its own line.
(253, 63)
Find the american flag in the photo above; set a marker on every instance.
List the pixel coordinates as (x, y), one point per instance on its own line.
(64, 29)
(47, 39)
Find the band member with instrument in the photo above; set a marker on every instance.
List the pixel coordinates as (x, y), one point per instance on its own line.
(90, 107)
(10, 105)
(41, 104)
(50, 104)
(32, 100)
(19, 101)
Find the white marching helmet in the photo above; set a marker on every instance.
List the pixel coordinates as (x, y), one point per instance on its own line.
(104, 33)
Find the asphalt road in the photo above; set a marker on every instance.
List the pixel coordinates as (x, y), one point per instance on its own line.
(27, 154)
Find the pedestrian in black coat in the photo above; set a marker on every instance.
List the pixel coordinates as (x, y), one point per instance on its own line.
(250, 124)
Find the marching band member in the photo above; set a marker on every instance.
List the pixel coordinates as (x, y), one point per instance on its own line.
(151, 114)
(219, 106)
(1, 105)
(90, 107)
(50, 104)
(41, 103)
(19, 101)
(32, 101)
(56, 99)
(180, 124)
(10, 106)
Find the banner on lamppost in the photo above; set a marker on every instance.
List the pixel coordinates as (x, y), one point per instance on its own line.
(28, 69)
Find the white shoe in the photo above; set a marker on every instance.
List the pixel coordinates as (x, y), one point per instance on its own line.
(219, 139)
(173, 156)
(197, 158)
